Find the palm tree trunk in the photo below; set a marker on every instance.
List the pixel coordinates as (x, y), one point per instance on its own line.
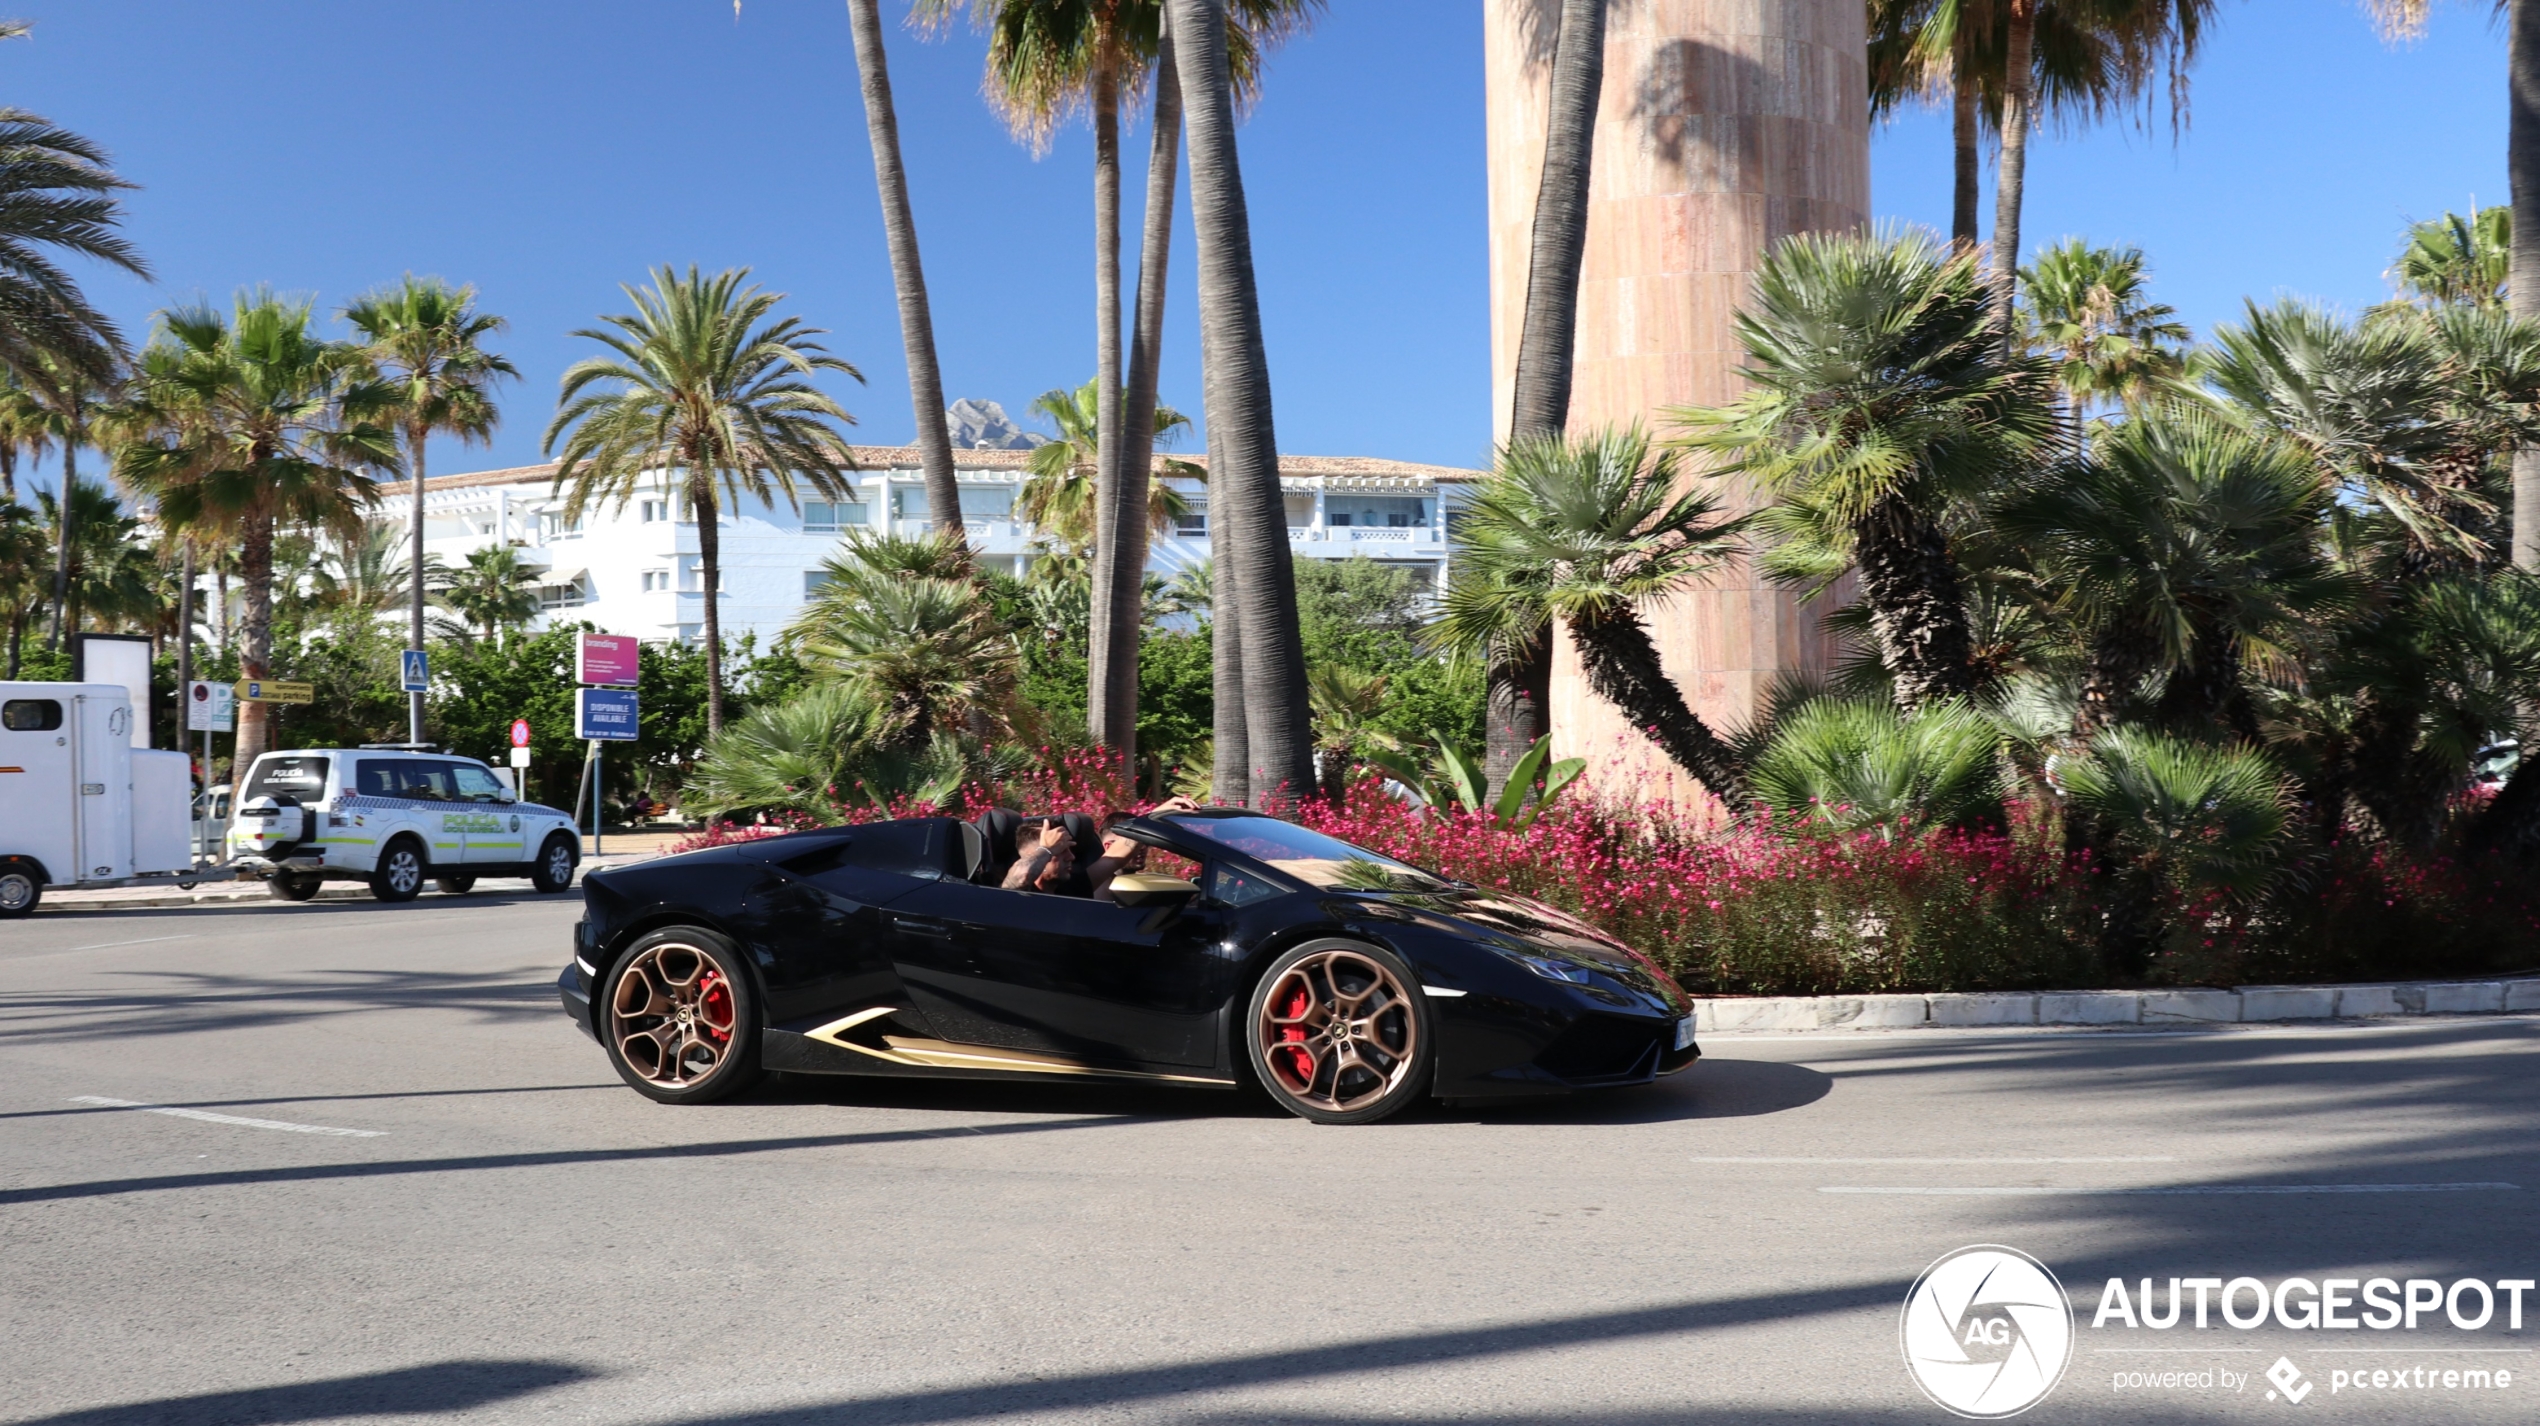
(1230, 776)
(2018, 86)
(1966, 158)
(1917, 604)
(62, 540)
(1108, 475)
(1278, 729)
(1622, 668)
(1520, 703)
(1122, 600)
(1541, 402)
(917, 321)
(415, 438)
(255, 657)
(2522, 167)
(701, 499)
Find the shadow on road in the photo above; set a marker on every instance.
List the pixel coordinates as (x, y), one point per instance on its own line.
(452, 1387)
(388, 1168)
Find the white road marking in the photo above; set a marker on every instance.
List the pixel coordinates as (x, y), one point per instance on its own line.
(1705, 1159)
(210, 1118)
(2199, 1189)
(144, 941)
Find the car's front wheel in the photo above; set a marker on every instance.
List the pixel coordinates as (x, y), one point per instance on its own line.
(682, 1022)
(1339, 1033)
(400, 873)
(553, 871)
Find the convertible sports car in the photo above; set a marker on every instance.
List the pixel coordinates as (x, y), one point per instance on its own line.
(1248, 951)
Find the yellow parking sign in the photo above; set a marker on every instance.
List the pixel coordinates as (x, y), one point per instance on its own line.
(268, 690)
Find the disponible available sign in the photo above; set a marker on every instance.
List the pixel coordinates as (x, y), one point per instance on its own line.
(605, 714)
(606, 658)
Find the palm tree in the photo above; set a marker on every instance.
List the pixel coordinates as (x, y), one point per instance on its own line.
(1060, 497)
(434, 379)
(57, 192)
(490, 590)
(902, 621)
(2079, 61)
(2522, 170)
(1880, 405)
(1851, 764)
(250, 434)
(366, 572)
(2454, 260)
(2183, 818)
(1047, 58)
(1346, 703)
(74, 404)
(24, 553)
(908, 276)
(2087, 309)
(697, 390)
(1589, 529)
(109, 576)
(1277, 736)
(2183, 553)
(26, 431)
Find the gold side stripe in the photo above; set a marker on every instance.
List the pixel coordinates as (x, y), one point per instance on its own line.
(943, 1054)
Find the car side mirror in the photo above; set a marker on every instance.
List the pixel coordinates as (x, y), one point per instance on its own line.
(1148, 890)
(506, 796)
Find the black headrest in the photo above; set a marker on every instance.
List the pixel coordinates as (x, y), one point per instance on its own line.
(998, 826)
(1086, 831)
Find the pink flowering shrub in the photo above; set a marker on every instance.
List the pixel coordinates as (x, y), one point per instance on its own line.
(1788, 907)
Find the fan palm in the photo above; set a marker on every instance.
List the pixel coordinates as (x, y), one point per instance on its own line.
(925, 650)
(247, 432)
(1060, 498)
(366, 572)
(1855, 765)
(2457, 260)
(703, 389)
(25, 554)
(423, 335)
(2181, 819)
(111, 579)
(1589, 529)
(2182, 552)
(26, 431)
(1880, 407)
(2087, 309)
(74, 407)
(1346, 704)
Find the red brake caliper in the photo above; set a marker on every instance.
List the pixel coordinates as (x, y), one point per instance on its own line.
(714, 1005)
(1302, 1060)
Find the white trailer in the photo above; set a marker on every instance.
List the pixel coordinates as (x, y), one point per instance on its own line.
(80, 806)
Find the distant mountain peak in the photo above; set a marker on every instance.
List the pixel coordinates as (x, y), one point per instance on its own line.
(984, 426)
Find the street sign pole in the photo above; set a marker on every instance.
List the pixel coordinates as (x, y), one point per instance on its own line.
(596, 768)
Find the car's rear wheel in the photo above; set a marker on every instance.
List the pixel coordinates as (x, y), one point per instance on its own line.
(401, 870)
(682, 1022)
(20, 889)
(459, 884)
(292, 886)
(553, 871)
(1339, 1033)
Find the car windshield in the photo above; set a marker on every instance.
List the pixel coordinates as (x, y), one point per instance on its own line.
(1324, 863)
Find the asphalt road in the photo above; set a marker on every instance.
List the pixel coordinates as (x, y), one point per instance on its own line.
(515, 1237)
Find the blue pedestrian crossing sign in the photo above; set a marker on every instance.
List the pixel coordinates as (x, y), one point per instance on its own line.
(418, 671)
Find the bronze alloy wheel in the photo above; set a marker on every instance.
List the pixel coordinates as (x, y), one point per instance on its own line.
(1338, 1032)
(674, 1015)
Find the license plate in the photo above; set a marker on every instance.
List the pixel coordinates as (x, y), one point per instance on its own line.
(1684, 1032)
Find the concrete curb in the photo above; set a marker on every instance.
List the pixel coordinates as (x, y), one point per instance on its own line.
(2248, 1005)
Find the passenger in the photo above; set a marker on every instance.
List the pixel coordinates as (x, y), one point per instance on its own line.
(1046, 864)
(1119, 854)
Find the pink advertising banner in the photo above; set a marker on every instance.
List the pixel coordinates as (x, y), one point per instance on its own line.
(605, 658)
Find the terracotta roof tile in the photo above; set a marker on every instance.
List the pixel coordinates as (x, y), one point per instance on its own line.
(896, 458)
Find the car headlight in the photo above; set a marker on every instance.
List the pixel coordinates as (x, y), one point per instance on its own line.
(1551, 969)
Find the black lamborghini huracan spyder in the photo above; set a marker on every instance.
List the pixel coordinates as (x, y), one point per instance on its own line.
(1344, 983)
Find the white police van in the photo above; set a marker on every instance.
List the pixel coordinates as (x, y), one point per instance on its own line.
(394, 819)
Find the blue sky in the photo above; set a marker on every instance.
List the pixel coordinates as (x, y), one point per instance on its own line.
(548, 151)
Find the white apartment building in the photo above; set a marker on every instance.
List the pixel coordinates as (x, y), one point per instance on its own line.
(634, 569)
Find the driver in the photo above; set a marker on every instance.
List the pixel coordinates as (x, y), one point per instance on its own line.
(1049, 864)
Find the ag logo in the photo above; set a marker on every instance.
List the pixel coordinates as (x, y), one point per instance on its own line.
(515, 822)
(1987, 1332)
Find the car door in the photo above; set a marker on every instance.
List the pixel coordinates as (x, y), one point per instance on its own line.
(490, 825)
(1063, 975)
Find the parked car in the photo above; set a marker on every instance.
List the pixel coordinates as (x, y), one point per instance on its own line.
(1346, 984)
(394, 819)
(211, 823)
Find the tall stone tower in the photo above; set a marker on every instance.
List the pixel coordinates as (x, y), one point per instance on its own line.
(1725, 126)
